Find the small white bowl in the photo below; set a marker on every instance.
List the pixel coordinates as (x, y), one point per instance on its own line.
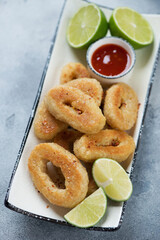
(107, 80)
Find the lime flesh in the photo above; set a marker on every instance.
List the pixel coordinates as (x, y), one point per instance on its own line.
(132, 26)
(110, 175)
(86, 26)
(89, 211)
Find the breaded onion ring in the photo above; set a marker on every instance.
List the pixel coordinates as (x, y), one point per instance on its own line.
(66, 138)
(121, 106)
(76, 108)
(72, 71)
(76, 178)
(47, 126)
(89, 86)
(107, 143)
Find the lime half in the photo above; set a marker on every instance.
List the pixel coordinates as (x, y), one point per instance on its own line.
(109, 175)
(132, 26)
(86, 26)
(89, 211)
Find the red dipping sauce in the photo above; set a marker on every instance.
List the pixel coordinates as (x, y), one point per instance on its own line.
(110, 60)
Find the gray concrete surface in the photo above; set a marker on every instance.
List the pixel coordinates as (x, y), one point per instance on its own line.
(26, 30)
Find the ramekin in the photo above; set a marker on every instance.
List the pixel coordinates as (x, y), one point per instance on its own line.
(122, 77)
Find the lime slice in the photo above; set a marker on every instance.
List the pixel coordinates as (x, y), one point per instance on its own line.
(109, 175)
(89, 211)
(132, 26)
(86, 26)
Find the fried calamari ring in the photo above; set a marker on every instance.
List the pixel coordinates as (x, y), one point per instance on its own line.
(72, 71)
(90, 86)
(76, 178)
(66, 140)
(76, 108)
(92, 186)
(47, 126)
(107, 143)
(121, 106)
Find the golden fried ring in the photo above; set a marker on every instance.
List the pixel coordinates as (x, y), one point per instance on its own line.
(92, 186)
(121, 106)
(47, 126)
(76, 108)
(76, 178)
(89, 86)
(72, 71)
(107, 143)
(66, 140)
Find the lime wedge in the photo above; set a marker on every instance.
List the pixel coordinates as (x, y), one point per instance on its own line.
(109, 175)
(132, 26)
(89, 211)
(86, 26)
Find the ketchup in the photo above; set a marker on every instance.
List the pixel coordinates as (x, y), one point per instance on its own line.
(110, 60)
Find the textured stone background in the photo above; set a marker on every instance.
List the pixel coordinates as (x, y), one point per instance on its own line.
(26, 30)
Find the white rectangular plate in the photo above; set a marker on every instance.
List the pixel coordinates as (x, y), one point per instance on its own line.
(22, 195)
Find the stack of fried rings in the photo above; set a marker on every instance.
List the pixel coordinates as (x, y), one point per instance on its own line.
(70, 117)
